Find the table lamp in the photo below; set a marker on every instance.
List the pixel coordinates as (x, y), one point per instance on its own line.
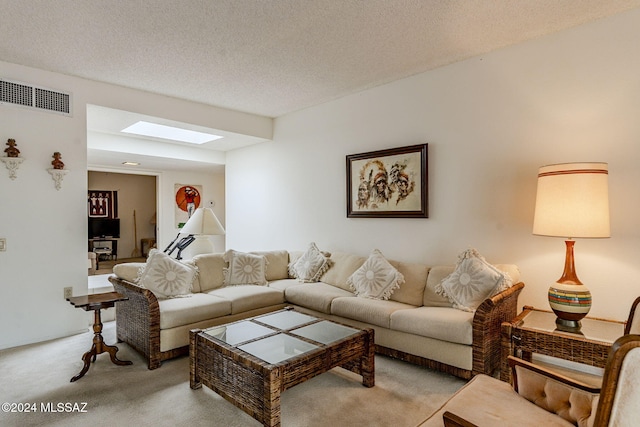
(202, 224)
(572, 201)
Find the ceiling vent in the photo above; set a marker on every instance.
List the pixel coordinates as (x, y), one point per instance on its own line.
(16, 93)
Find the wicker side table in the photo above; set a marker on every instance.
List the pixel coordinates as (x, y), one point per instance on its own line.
(534, 331)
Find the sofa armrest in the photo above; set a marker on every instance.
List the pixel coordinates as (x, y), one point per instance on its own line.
(487, 322)
(138, 320)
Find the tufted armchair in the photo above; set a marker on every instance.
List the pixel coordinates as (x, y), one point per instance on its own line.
(540, 397)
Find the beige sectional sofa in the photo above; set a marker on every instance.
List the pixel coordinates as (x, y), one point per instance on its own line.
(416, 323)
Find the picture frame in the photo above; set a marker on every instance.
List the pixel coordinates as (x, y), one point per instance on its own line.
(188, 198)
(102, 204)
(390, 183)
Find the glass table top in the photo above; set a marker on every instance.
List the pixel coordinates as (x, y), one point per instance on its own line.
(277, 348)
(236, 333)
(284, 337)
(324, 332)
(286, 319)
(592, 329)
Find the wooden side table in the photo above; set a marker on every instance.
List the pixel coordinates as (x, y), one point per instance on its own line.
(96, 302)
(535, 331)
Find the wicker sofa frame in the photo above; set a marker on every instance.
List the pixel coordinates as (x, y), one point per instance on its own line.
(138, 324)
(486, 346)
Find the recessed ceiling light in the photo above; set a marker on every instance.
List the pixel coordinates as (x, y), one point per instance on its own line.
(131, 163)
(170, 132)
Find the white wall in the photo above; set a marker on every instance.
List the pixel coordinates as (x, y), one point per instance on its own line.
(490, 122)
(46, 229)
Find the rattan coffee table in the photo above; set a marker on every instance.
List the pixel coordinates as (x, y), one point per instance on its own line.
(251, 362)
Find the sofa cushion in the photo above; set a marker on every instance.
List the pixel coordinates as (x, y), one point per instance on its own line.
(343, 265)
(249, 297)
(316, 296)
(277, 264)
(167, 277)
(438, 273)
(435, 277)
(244, 268)
(443, 323)
(198, 307)
(375, 278)
(375, 312)
(415, 279)
(129, 271)
(310, 266)
(283, 284)
(210, 274)
(472, 281)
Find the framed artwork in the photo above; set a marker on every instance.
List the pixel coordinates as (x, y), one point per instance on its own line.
(388, 183)
(188, 199)
(102, 204)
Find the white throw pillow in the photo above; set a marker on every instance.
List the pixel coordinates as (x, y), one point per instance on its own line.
(167, 277)
(376, 278)
(245, 269)
(472, 281)
(310, 266)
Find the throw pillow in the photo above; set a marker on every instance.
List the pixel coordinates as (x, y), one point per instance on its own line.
(376, 278)
(472, 281)
(244, 269)
(310, 266)
(167, 277)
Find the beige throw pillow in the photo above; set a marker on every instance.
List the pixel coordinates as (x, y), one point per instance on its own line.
(244, 269)
(376, 278)
(310, 266)
(472, 281)
(167, 277)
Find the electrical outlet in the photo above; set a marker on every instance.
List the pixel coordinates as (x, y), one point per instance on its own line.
(68, 292)
(3, 244)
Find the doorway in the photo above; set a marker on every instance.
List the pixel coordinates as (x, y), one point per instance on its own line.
(126, 230)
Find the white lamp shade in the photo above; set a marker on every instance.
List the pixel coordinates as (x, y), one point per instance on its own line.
(572, 201)
(203, 222)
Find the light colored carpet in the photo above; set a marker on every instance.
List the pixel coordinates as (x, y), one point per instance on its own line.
(39, 374)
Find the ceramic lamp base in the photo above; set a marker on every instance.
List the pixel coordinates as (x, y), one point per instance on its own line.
(570, 303)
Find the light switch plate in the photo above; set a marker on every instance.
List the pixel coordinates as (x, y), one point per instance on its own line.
(3, 244)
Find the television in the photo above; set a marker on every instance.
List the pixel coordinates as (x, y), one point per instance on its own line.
(102, 227)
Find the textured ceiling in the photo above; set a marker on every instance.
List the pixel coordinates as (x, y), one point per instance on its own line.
(271, 57)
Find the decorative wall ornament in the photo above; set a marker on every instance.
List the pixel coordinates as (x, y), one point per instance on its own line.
(12, 164)
(12, 160)
(57, 161)
(58, 176)
(12, 150)
(188, 199)
(102, 204)
(388, 183)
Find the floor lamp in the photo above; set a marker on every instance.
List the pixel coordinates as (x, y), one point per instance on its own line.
(572, 201)
(202, 224)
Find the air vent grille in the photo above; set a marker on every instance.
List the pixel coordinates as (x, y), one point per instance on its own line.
(35, 97)
(16, 93)
(50, 100)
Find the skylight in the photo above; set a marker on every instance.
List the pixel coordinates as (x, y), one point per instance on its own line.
(169, 132)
